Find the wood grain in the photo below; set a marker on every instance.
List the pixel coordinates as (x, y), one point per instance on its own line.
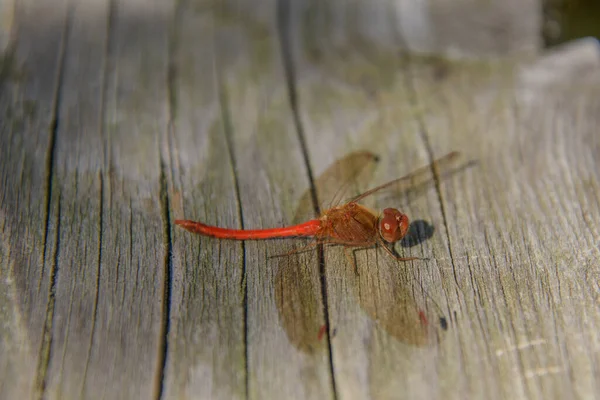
(519, 227)
(28, 109)
(207, 336)
(243, 147)
(97, 327)
(117, 117)
(341, 113)
(112, 251)
(466, 28)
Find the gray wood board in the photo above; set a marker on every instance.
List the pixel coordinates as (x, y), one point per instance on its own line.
(98, 329)
(28, 107)
(117, 121)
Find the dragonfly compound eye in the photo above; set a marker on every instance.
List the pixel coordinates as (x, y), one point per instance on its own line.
(393, 225)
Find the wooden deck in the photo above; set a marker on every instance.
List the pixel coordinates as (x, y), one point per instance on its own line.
(118, 117)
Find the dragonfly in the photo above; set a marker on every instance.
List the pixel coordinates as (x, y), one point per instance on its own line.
(383, 293)
(351, 224)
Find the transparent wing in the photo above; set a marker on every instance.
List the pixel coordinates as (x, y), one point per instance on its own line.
(343, 178)
(424, 176)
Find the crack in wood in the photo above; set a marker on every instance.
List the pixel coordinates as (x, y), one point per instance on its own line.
(46, 341)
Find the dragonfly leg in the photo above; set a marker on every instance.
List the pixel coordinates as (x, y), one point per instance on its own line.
(315, 242)
(397, 257)
(349, 252)
(296, 250)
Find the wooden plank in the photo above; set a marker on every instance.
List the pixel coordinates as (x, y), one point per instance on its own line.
(91, 304)
(367, 106)
(28, 89)
(107, 336)
(242, 147)
(358, 103)
(207, 349)
(76, 203)
(520, 225)
(7, 24)
(133, 282)
(438, 27)
(475, 29)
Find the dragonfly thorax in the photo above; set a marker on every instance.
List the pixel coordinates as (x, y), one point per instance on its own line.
(393, 225)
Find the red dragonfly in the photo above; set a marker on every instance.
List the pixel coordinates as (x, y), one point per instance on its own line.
(383, 292)
(350, 224)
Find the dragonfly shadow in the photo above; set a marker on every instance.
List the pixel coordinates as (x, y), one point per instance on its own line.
(298, 275)
(418, 232)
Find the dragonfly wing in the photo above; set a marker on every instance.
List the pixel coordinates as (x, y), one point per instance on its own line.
(437, 170)
(342, 179)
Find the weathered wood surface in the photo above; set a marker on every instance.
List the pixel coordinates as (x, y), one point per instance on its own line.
(118, 117)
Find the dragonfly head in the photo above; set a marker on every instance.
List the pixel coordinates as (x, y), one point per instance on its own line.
(393, 225)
